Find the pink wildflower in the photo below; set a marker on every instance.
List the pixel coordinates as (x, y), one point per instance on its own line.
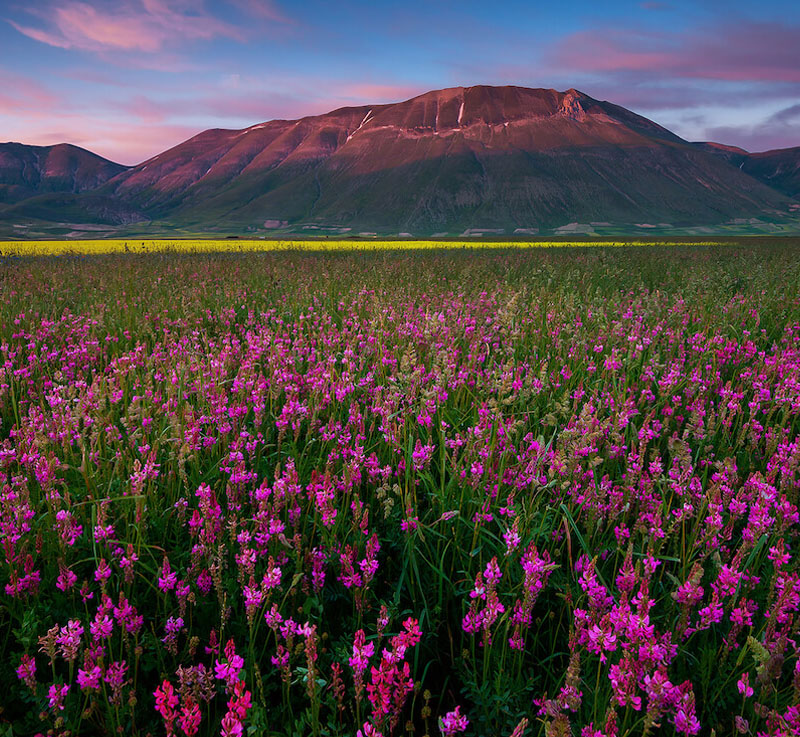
(453, 722)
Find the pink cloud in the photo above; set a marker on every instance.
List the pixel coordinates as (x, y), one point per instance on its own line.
(264, 9)
(250, 109)
(737, 51)
(257, 104)
(366, 92)
(586, 50)
(143, 26)
(42, 36)
(124, 142)
(147, 110)
(189, 19)
(19, 93)
(246, 100)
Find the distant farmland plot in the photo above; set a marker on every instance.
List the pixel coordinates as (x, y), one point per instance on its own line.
(410, 489)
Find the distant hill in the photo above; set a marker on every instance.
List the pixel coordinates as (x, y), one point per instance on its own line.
(58, 183)
(465, 159)
(779, 169)
(26, 171)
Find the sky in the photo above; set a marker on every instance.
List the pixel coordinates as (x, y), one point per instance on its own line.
(129, 78)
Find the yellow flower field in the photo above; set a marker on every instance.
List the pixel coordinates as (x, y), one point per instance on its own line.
(63, 247)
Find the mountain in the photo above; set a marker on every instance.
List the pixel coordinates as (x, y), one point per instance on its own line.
(26, 171)
(461, 159)
(780, 169)
(474, 157)
(58, 183)
(732, 154)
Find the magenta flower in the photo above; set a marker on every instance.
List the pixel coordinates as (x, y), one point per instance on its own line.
(115, 678)
(166, 702)
(512, 538)
(172, 631)
(56, 695)
(272, 578)
(69, 639)
(168, 578)
(492, 573)
(103, 572)
(231, 726)
(318, 560)
(228, 670)
(368, 730)
(238, 706)
(743, 684)
(361, 653)
(125, 614)
(68, 527)
(685, 720)
(89, 680)
(453, 722)
(421, 455)
(601, 641)
(26, 671)
(101, 627)
(190, 717)
(66, 579)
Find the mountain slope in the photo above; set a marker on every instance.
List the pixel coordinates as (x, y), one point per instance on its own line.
(780, 169)
(491, 157)
(732, 154)
(26, 171)
(57, 184)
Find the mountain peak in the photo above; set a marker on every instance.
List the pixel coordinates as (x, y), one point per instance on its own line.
(495, 105)
(571, 105)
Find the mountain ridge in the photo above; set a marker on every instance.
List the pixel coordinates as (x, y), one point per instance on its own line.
(461, 158)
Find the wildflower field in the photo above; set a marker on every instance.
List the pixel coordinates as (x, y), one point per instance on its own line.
(434, 492)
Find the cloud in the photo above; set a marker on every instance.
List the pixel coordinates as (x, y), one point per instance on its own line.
(264, 9)
(787, 116)
(365, 93)
(779, 130)
(735, 51)
(142, 26)
(118, 140)
(639, 92)
(21, 94)
(245, 101)
(147, 110)
(253, 102)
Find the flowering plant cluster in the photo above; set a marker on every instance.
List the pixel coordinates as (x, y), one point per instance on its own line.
(508, 493)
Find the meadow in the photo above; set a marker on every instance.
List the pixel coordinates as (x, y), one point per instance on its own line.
(481, 491)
